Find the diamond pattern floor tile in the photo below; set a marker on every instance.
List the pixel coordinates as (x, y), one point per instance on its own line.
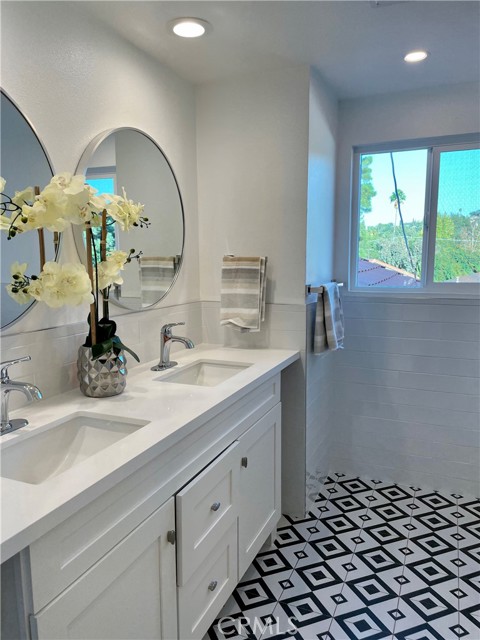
(372, 560)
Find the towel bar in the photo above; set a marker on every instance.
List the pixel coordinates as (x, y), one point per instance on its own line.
(309, 289)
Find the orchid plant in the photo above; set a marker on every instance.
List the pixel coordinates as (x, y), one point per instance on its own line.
(69, 200)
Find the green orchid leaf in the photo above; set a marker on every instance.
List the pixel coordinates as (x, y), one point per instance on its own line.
(101, 348)
(119, 344)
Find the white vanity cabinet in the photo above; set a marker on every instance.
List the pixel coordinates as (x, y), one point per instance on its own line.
(158, 554)
(129, 593)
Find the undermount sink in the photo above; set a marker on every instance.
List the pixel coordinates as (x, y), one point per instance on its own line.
(56, 449)
(205, 373)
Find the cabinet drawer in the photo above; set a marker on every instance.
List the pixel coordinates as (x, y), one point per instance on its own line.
(206, 509)
(202, 597)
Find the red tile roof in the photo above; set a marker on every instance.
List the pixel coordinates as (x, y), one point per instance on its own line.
(374, 273)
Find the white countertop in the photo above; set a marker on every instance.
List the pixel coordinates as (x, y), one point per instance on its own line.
(172, 410)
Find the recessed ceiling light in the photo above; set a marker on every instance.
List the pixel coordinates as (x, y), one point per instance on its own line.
(189, 27)
(416, 56)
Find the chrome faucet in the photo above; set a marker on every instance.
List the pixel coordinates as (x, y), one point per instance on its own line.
(166, 340)
(7, 386)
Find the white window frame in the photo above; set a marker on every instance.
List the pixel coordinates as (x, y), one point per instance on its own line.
(434, 147)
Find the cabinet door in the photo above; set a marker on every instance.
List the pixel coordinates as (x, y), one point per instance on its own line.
(129, 594)
(260, 500)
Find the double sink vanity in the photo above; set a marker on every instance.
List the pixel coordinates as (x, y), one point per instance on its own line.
(135, 516)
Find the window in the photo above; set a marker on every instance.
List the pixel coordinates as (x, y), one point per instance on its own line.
(416, 218)
(103, 184)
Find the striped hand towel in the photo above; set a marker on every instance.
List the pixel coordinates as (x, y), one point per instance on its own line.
(243, 292)
(329, 330)
(156, 276)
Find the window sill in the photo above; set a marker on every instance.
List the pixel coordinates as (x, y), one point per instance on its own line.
(469, 297)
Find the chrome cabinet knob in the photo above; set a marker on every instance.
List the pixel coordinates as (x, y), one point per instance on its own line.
(213, 585)
(215, 506)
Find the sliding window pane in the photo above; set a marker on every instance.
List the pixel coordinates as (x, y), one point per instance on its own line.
(457, 244)
(391, 215)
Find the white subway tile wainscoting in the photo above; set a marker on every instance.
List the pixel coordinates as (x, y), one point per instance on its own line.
(53, 367)
(407, 392)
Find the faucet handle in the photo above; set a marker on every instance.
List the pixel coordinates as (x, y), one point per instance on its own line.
(8, 363)
(167, 328)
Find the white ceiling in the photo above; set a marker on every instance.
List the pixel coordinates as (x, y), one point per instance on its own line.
(357, 46)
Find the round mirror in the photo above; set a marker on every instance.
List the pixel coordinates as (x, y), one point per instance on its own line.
(129, 159)
(24, 163)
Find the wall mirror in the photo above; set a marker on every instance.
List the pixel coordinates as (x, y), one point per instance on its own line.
(24, 163)
(129, 158)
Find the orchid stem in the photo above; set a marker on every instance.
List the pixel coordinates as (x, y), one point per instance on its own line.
(41, 238)
(103, 255)
(93, 307)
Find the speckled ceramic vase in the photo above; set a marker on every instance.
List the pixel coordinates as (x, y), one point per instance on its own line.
(103, 377)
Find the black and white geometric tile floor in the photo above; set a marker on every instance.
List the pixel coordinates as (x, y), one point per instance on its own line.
(372, 560)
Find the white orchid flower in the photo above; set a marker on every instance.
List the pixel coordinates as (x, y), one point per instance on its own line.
(17, 269)
(61, 285)
(23, 196)
(21, 296)
(118, 259)
(35, 216)
(124, 211)
(35, 289)
(62, 180)
(55, 203)
(109, 270)
(76, 185)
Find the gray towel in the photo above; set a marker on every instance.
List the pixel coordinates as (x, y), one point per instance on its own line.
(329, 331)
(242, 299)
(156, 276)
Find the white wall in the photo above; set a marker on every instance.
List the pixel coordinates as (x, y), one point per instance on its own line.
(319, 269)
(73, 79)
(407, 383)
(252, 177)
(321, 182)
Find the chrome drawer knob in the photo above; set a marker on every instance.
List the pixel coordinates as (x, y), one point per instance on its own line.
(215, 506)
(213, 585)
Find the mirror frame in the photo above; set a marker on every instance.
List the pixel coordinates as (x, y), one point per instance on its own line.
(50, 165)
(78, 230)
